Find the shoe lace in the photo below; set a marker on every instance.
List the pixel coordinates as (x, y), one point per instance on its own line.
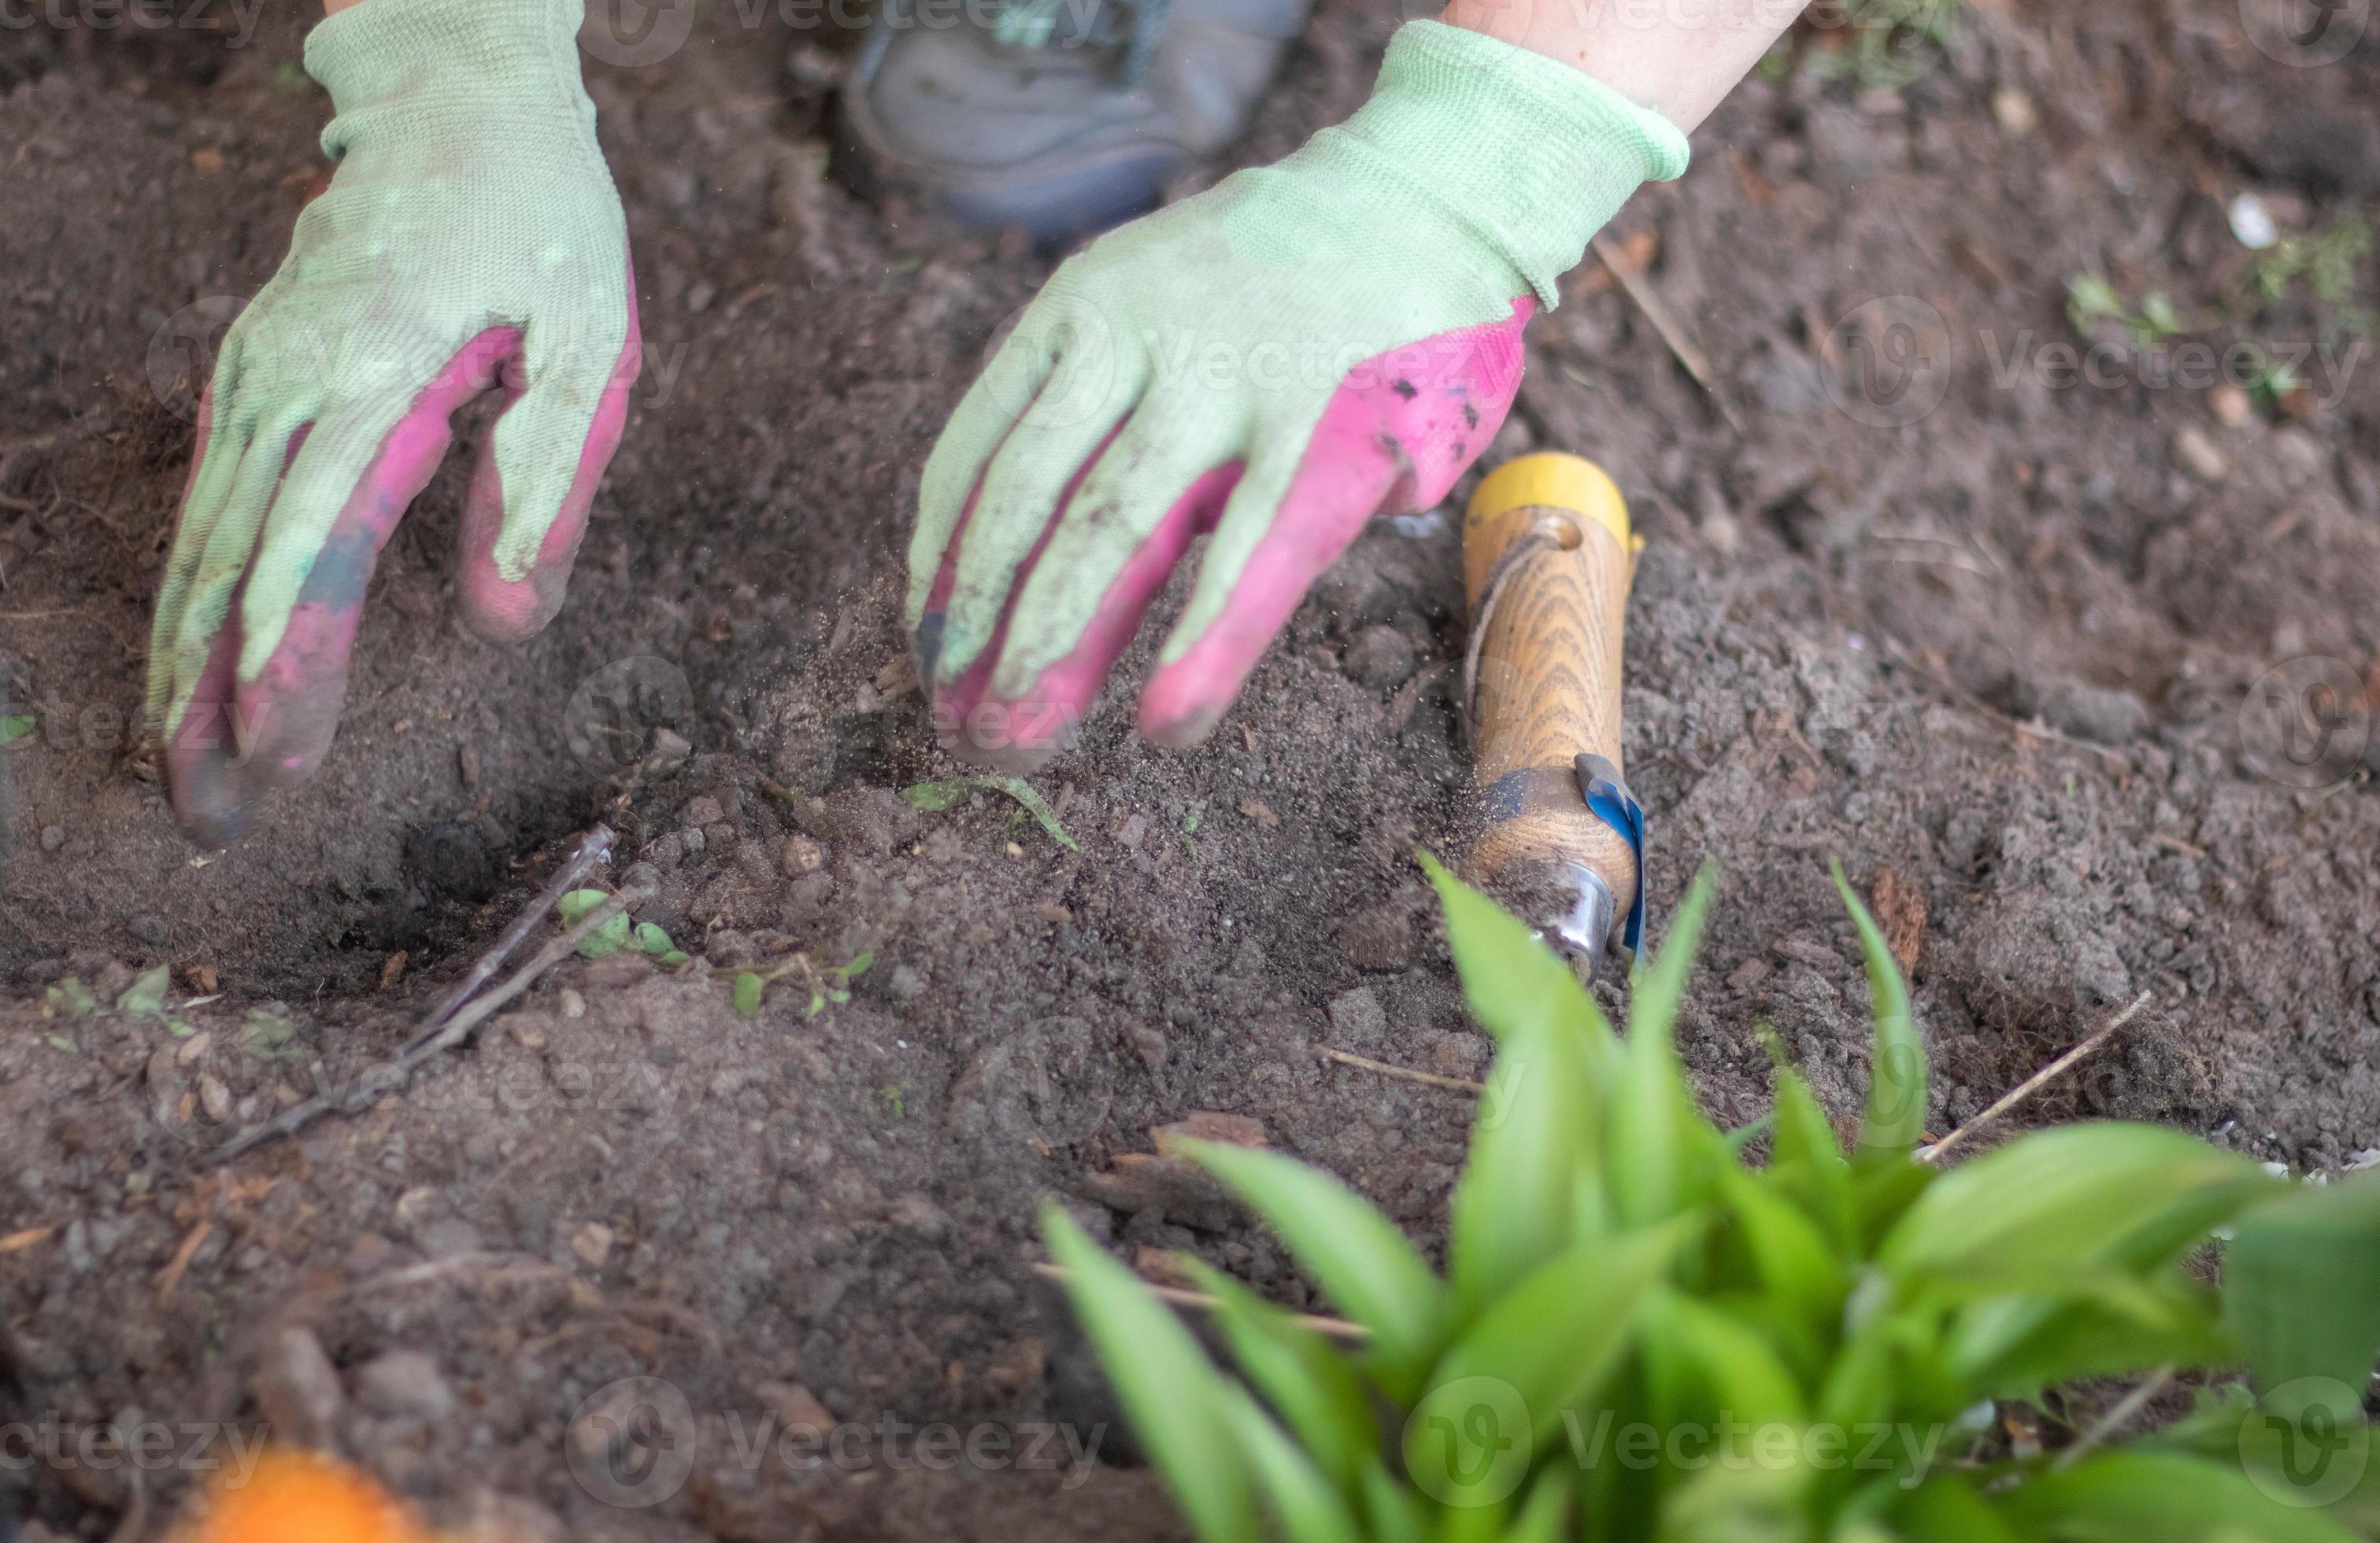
(1086, 23)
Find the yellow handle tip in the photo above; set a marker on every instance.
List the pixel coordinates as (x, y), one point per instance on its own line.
(1551, 479)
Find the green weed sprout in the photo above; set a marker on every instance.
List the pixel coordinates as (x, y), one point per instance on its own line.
(1642, 1334)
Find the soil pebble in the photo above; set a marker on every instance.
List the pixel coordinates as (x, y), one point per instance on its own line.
(404, 1384)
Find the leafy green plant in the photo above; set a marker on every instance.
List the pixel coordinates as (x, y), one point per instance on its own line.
(610, 938)
(934, 797)
(2091, 300)
(1642, 1333)
(2326, 262)
(831, 985)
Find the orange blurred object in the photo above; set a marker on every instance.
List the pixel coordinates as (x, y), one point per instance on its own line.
(301, 1496)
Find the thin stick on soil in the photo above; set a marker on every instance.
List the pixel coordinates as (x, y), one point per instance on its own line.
(2039, 1079)
(1402, 1074)
(1907, 659)
(1199, 1302)
(2113, 1421)
(594, 848)
(1656, 312)
(432, 1038)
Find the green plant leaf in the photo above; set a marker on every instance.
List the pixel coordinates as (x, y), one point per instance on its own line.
(2302, 1291)
(610, 938)
(266, 1035)
(1658, 1140)
(1356, 1253)
(1537, 1133)
(2125, 1497)
(1312, 1385)
(1394, 1515)
(1806, 1163)
(1173, 1395)
(1946, 1509)
(934, 797)
(1791, 1254)
(650, 939)
(1551, 1340)
(1659, 989)
(1894, 1123)
(1544, 1513)
(1511, 979)
(748, 986)
(145, 995)
(71, 997)
(2013, 1347)
(1882, 1194)
(1309, 1509)
(1741, 1373)
(17, 726)
(1532, 1149)
(2310, 1465)
(2106, 1193)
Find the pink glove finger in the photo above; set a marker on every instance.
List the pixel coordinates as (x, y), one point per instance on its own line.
(505, 610)
(1395, 436)
(1019, 734)
(241, 738)
(204, 758)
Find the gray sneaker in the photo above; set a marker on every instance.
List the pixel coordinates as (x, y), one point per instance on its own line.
(1058, 116)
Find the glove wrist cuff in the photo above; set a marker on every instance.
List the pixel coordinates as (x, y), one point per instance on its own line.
(392, 54)
(1532, 156)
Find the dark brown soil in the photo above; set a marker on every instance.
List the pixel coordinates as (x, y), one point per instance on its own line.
(2002, 659)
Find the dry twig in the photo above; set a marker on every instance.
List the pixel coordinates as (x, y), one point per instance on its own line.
(448, 1025)
(1199, 1302)
(2039, 1079)
(1672, 331)
(1403, 1074)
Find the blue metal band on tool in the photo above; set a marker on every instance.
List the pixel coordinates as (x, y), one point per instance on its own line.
(1606, 796)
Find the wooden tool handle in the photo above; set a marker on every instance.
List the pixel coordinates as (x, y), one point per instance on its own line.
(1548, 555)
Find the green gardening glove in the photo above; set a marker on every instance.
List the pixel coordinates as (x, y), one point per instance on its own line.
(470, 234)
(1275, 361)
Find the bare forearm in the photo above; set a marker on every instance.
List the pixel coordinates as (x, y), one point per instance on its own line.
(1679, 57)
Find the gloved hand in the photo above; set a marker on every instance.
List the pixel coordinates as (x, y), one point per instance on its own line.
(1275, 361)
(471, 232)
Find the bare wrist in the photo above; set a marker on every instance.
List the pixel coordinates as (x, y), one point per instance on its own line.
(1679, 57)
